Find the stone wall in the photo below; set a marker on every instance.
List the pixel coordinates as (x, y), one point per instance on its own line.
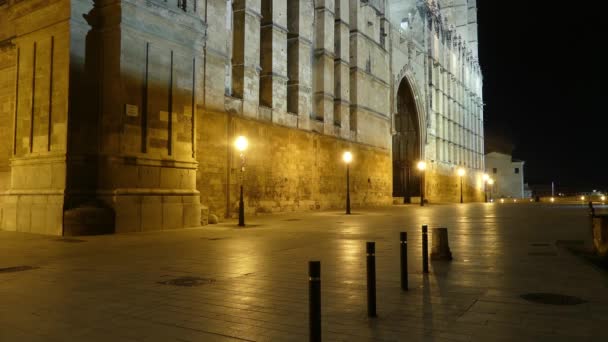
(286, 169)
(37, 41)
(128, 108)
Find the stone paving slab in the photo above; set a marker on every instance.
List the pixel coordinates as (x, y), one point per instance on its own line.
(253, 282)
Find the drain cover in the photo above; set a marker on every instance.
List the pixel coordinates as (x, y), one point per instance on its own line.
(17, 269)
(69, 240)
(542, 254)
(188, 281)
(215, 239)
(552, 299)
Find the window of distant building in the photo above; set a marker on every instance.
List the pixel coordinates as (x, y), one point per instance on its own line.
(516, 170)
(495, 170)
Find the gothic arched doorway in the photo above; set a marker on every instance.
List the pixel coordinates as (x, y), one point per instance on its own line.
(406, 145)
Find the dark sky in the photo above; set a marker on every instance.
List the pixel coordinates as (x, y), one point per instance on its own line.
(544, 88)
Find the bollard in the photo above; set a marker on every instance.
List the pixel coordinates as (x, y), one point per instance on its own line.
(425, 249)
(404, 280)
(371, 279)
(314, 300)
(441, 247)
(591, 209)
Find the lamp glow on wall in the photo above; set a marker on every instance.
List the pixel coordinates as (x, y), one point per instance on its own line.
(491, 184)
(422, 168)
(485, 179)
(241, 145)
(461, 173)
(347, 157)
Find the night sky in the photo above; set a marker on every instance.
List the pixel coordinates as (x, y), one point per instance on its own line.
(544, 84)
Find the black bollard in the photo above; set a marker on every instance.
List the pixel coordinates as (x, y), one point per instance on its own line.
(404, 279)
(371, 279)
(314, 300)
(425, 249)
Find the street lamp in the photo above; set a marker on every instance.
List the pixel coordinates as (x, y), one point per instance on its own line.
(421, 167)
(491, 184)
(241, 144)
(485, 178)
(461, 173)
(347, 157)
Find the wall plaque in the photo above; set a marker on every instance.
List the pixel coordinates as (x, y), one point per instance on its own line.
(131, 110)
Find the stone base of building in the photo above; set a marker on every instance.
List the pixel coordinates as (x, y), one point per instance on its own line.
(139, 210)
(40, 213)
(125, 211)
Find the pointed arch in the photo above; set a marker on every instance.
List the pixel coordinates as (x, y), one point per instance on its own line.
(409, 138)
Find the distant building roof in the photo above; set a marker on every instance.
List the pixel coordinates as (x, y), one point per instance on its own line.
(507, 155)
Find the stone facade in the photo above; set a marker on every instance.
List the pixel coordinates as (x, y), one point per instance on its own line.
(119, 115)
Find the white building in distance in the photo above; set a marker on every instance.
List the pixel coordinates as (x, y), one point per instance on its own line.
(508, 175)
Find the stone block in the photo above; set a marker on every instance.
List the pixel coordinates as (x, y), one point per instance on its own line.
(151, 215)
(172, 216)
(24, 217)
(149, 177)
(128, 215)
(441, 248)
(192, 215)
(54, 218)
(170, 178)
(38, 218)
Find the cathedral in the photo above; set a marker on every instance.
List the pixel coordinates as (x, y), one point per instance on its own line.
(121, 115)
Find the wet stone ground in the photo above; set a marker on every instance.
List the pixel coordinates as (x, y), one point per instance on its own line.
(511, 279)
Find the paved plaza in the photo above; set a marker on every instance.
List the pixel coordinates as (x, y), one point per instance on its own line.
(251, 284)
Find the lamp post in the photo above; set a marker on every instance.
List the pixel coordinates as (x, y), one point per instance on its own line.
(422, 168)
(241, 144)
(461, 173)
(491, 184)
(347, 157)
(485, 178)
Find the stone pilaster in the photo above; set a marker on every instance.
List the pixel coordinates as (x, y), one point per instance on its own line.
(246, 54)
(299, 68)
(273, 58)
(324, 66)
(342, 69)
(473, 43)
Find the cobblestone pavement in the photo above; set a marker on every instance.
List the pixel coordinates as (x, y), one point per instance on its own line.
(251, 284)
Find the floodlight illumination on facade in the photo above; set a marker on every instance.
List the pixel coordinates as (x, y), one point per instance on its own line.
(502, 200)
(421, 165)
(582, 198)
(241, 143)
(485, 177)
(347, 157)
(491, 181)
(603, 198)
(552, 199)
(461, 172)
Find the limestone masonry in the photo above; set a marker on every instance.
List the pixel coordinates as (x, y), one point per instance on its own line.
(120, 115)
